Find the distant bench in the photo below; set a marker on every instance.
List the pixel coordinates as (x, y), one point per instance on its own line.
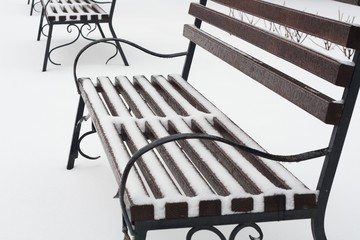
(181, 162)
(73, 13)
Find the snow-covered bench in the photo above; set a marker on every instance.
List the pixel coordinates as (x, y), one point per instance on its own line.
(71, 13)
(181, 162)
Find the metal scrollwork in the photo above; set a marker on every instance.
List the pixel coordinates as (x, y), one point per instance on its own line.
(80, 151)
(78, 125)
(80, 32)
(208, 228)
(239, 227)
(90, 30)
(233, 234)
(42, 30)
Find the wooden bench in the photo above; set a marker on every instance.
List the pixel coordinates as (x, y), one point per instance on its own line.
(74, 12)
(180, 162)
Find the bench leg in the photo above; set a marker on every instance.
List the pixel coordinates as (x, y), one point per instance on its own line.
(101, 31)
(41, 24)
(47, 50)
(318, 230)
(31, 6)
(74, 148)
(118, 45)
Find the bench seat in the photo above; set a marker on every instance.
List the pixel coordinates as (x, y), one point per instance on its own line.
(187, 178)
(74, 10)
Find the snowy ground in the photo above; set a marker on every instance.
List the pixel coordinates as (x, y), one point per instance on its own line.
(41, 200)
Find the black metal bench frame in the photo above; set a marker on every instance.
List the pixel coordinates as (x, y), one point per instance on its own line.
(32, 4)
(332, 153)
(84, 21)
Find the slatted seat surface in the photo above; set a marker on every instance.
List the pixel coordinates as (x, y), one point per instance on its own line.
(167, 183)
(74, 10)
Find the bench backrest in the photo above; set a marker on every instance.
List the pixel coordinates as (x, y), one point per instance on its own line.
(346, 75)
(355, 2)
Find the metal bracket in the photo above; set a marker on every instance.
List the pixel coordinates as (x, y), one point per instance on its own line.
(93, 130)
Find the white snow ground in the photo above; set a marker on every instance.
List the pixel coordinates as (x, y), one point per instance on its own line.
(41, 200)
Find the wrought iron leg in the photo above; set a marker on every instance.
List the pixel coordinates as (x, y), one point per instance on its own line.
(32, 6)
(101, 31)
(41, 23)
(47, 47)
(318, 230)
(118, 45)
(74, 148)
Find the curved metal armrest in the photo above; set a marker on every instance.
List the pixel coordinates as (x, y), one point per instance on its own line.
(175, 137)
(106, 40)
(101, 2)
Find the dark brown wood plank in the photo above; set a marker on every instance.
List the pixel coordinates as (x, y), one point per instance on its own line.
(108, 92)
(304, 201)
(207, 173)
(275, 203)
(354, 2)
(145, 212)
(176, 210)
(254, 160)
(241, 177)
(172, 101)
(127, 93)
(151, 181)
(141, 212)
(242, 204)
(183, 182)
(149, 100)
(318, 64)
(210, 208)
(337, 32)
(305, 97)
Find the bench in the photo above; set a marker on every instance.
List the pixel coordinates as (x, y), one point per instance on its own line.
(72, 13)
(180, 162)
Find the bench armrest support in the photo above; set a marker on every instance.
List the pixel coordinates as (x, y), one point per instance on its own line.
(182, 136)
(108, 40)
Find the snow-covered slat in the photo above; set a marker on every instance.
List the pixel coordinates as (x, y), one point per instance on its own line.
(67, 11)
(137, 196)
(185, 174)
(191, 177)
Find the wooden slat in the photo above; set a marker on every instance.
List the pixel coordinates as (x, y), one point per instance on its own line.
(169, 156)
(178, 164)
(112, 98)
(337, 32)
(218, 127)
(354, 2)
(275, 203)
(117, 156)
(323, 66)
(310, 100)
(104, 100)
(60, 12)
(71, 14)
(204, 127)
(198, 157)
(254, 160)
(175, 159)
(132, 98)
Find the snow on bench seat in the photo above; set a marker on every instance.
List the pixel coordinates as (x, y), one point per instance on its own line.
(187, 178)
(73, 10)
